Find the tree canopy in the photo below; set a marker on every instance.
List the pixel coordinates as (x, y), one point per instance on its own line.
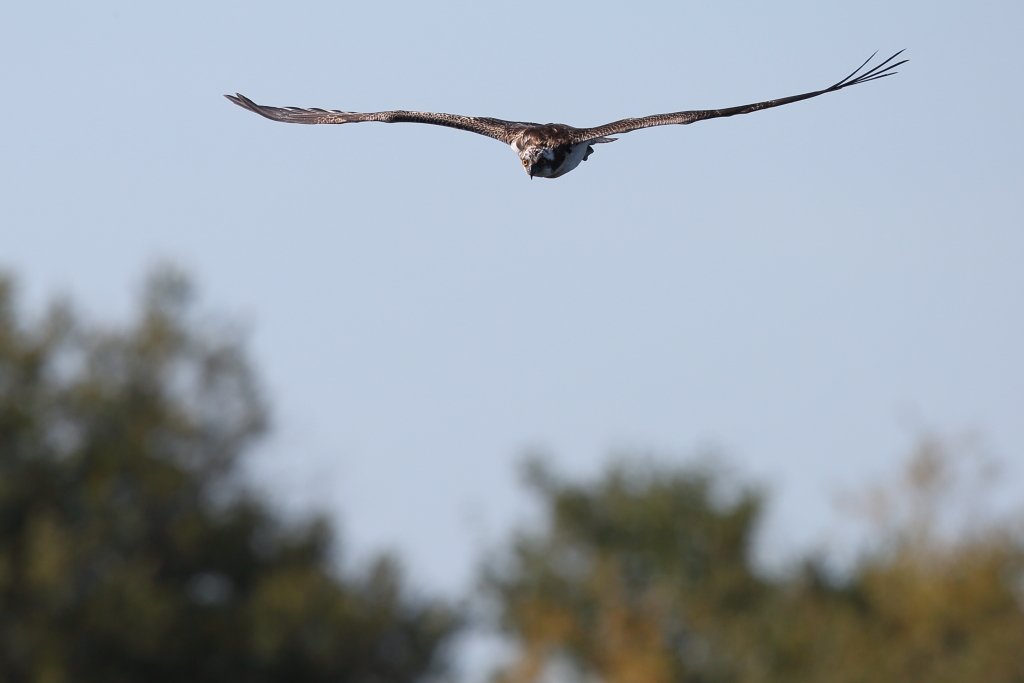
(130, 547)
(646, 574)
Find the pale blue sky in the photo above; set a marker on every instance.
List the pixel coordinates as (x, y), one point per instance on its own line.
(804, 288)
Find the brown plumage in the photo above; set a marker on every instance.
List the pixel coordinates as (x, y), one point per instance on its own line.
(553, 149)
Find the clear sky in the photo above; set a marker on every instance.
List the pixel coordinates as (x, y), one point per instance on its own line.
(804, 289)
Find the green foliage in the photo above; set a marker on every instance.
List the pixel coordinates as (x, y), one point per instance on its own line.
(631, 574)
(130, 550)
(646, 575)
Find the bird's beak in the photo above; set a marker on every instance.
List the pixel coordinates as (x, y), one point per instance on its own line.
(531, 174)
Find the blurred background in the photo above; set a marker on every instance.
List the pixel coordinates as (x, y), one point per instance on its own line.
(737, 401)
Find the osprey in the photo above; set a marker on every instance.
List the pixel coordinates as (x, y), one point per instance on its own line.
(550, 150)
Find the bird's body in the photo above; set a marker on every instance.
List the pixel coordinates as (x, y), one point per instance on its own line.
(545, 152)
(550, 150)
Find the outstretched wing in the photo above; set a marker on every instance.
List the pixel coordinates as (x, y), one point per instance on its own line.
(684, 117)
(498, 129)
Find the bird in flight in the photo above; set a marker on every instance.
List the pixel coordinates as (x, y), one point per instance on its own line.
(550, 150)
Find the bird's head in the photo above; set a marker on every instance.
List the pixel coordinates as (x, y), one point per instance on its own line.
(533, 160)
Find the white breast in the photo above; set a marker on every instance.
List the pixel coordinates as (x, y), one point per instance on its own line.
(572, 159)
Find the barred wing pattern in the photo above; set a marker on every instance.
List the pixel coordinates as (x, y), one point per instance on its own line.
(499, 129)
(551, 150)
(686, 117)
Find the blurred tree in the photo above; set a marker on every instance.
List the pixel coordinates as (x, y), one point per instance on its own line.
(646, 575)
(130, 550)
(630, 577)
(941, 597)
